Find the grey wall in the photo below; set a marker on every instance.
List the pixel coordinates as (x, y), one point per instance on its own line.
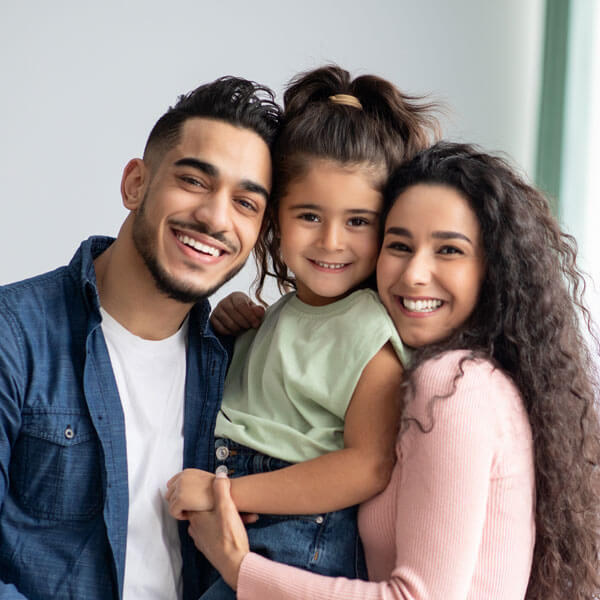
(83, 82)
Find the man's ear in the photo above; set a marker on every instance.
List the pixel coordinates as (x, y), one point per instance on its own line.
(134, 183)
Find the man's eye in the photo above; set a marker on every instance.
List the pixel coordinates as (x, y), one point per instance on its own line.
(193, 181)
(245, 203)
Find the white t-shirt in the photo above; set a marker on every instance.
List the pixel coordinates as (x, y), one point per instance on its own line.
(150, 377)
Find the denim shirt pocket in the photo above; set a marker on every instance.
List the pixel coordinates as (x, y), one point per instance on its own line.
(55, 466)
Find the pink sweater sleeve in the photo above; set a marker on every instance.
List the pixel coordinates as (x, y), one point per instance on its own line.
(442, 483)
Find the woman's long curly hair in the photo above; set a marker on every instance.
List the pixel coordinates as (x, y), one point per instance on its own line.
(387, 128)
(529, 321)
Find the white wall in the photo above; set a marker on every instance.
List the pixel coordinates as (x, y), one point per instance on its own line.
(83, 83)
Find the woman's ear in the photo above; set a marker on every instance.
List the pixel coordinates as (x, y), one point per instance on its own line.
(133, 183)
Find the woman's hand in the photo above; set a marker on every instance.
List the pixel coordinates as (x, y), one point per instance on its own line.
(236, 313)
(220, 534)
(190, 490)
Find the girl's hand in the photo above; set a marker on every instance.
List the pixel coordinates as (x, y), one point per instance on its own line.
(236, 313)
(220, 534)
(190, 490)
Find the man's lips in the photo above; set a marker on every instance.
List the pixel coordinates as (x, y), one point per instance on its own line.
(197, 245)
(203, 242)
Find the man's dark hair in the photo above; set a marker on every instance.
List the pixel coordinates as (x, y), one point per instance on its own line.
(234, 100)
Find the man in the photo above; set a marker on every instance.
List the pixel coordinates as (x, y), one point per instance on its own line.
(110, 377)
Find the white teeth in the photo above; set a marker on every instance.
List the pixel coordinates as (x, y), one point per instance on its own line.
(421, 305)
(330, 265)
(192, 243)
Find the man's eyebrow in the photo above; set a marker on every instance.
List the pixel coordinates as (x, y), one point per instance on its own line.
(255, 188)
(440, 235)
(200, 165)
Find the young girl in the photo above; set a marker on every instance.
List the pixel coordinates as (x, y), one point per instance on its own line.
(314, 388)
(495, 494)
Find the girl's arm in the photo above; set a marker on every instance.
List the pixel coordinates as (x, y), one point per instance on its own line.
(441, 507)
(330, 482)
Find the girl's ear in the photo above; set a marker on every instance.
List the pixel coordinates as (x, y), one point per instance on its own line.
(133, 183)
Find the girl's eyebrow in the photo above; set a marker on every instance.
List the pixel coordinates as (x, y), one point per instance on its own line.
(352, 211)
(440, 235)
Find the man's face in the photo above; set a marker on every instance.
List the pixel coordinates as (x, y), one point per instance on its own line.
(202, 208)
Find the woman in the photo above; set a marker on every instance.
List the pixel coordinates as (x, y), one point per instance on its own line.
(495, 490)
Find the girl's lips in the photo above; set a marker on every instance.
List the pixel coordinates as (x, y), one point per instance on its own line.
(328, 267)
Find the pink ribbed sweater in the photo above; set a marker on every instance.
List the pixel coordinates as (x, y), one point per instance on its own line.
(457, 518)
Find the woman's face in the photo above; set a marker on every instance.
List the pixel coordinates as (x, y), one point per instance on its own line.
(431, 265)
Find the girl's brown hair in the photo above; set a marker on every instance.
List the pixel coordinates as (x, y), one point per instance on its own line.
(388, 128)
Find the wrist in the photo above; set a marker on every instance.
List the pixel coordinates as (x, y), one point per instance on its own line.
(234, 567)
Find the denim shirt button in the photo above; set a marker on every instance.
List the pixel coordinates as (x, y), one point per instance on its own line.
(319, 519)
(69, 433)
(222, 469)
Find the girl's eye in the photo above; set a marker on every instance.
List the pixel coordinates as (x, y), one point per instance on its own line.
(310, 217)
(450, 250)
(358, 221)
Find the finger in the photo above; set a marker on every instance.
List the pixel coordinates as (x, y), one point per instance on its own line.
(242, 312)
(223, 323)
(249, 518)
(173, 479)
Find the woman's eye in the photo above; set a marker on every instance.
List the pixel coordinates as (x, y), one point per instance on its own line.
(450, 250)
(398, 247)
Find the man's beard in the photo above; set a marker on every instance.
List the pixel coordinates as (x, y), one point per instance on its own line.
(145, 243)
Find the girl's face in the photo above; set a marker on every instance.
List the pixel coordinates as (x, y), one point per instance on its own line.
(431, 264)
(328, 221)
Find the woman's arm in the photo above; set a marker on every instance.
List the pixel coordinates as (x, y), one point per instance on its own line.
(330, 482)
(442, 490)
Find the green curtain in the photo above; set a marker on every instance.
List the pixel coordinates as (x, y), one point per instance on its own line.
(553, 96)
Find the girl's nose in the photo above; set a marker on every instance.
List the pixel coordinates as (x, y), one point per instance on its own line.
(332, 237)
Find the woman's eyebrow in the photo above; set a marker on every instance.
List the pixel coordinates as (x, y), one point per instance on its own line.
(399, 231)
(449, 235)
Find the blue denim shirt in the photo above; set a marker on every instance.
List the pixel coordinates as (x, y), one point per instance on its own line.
(63, 464)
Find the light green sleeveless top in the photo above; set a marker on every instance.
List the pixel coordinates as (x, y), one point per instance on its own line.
(290, 381)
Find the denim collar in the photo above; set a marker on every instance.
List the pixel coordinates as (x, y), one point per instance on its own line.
(83, 266)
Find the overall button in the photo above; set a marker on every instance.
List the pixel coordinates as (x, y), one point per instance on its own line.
(222, 469)
(69, 433)
(222, 452)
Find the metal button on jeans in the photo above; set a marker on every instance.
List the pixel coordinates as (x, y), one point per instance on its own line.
(222, 469)
(69, 433)
(319, 519)
(222, 452)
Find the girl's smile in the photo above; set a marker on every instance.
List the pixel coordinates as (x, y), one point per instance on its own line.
(328, 222)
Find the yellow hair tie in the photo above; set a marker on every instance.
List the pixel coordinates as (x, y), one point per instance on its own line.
(346, 99)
